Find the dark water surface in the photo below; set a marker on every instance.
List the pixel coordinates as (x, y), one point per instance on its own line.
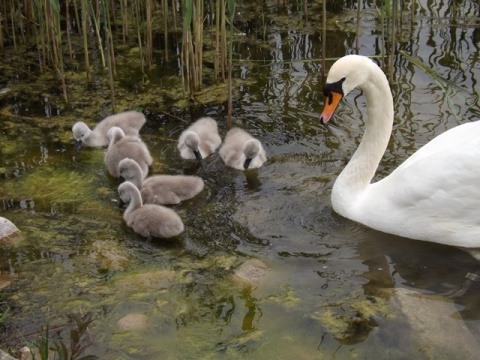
(331, 288)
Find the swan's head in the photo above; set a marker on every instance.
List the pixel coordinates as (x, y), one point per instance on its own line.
(128, 170)
(114, 134)
(251, 149)
(346, 74)
(81, 132)
(191, 141)
(126, 191)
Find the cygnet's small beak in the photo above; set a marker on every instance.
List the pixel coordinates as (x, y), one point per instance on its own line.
(121, 179)
(120, 203)
(78, 145)
(197, 154)
(246, 163)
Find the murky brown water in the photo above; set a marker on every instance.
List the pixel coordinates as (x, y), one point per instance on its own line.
(330, 288)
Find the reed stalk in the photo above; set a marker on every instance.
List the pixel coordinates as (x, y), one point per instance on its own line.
(54, 12)
(382, 26)
(192, 57)
(2, 26)
(223, 38)
(85, 37)
(231, 12)
(69, 41)
(137, 18)
(148, 33)
(77, 17)
(50, 32)
(357, 35)
(39, 30)
(393, 36)
(187, 8)
(216, 59)
(109, 39)
(198, 27)
(1, 33)
(12, 21)
(95, 16)
(174, 16)
(21, 18)
(412, 13)
(110, 54)
(124, 16)
(165, 27)
(324, 36)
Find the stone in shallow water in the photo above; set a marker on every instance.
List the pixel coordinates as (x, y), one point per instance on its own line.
(154, 280)
(133, 322)
(251, 272)
(440, 330)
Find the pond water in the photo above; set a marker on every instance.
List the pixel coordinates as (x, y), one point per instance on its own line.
(333, 288)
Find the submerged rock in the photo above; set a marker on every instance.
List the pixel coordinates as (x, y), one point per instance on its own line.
(437, 325)
(153, 280)
(108, 254)
(133, 322)
(252, 272)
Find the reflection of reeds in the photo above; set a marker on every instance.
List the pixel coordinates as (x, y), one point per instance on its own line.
(449, 88)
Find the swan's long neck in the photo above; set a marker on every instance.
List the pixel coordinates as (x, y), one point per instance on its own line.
(93, 138)
(358, 173)
(135, 201)
(137, 175)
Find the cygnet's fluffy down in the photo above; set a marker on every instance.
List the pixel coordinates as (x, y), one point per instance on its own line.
(242, 151)
(160, 189)
(129, 121)
(200, 139)
(121, 147)
(149, 220)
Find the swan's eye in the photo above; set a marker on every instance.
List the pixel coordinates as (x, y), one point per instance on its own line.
(336, 87)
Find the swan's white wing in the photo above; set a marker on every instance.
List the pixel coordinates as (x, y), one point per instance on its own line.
(452, 138)
(434, 195)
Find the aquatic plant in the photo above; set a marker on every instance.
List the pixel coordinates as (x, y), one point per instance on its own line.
(4, 309)
(46, 345)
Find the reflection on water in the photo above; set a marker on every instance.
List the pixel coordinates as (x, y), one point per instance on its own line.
(330, 289)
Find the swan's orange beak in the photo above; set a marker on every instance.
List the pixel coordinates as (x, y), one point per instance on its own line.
(331, 104)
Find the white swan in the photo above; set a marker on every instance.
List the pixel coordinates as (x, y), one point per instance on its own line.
(160, 189)
(200, 139)
(129, 121)
(149, 220)
(433, 196)
(242, 151)
(121, 147)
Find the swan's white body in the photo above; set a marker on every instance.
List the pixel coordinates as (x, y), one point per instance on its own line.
(200, 139)
(160, 189)
(433, 196)
(122, 146)
(242, 151)
(129, 121)
(148, 220)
